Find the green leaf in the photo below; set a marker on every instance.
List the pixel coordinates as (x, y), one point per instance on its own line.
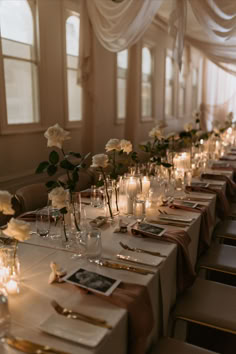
(75, 176)
(75, 154)
(51, 170)
(52, 184)
(165, 164)
(63, 210)
(54, 157)
(67, 165)
(42, 167)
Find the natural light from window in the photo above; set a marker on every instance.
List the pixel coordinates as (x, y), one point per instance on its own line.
(146, 82)
(19, 62)
(74, 90)
(122, 70)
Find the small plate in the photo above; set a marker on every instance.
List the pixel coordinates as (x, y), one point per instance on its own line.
(73, 330)
(138, 257)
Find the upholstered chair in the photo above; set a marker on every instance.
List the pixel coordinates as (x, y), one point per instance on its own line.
(32, 197)
(170, 346)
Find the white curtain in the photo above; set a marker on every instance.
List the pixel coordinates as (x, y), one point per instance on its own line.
(117, 25)
(219, 94)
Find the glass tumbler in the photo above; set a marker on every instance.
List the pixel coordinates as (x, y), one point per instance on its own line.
(5, 318)
(93, 244)
(43, 222)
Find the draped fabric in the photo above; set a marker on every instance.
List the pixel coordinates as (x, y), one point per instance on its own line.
(117, 25)
(211, 27)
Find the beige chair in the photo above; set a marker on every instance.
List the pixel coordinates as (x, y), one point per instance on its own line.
(173, 346)
(226, 230)
(219, 258)
(208, 303)
(32, 197)
(16, 206)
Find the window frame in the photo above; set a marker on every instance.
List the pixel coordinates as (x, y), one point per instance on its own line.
(19, 128)
(69, 9)
(169, 53)
(150, 47)
(120, 121)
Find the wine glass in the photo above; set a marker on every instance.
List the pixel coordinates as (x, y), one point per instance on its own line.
(80, 235)
(43, 222)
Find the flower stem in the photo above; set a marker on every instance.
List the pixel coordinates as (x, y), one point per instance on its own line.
(107, 194)
(14, 257)
(64, 227)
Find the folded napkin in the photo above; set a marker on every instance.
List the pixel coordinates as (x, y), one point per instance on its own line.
(206, 223)
(136, 300)
(222, 204)
(231, 185)
(185, 272)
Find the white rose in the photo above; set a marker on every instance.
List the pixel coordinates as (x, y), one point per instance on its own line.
(188, 127)
(126, 146)
(56, 136)
(100, 160)
(170, 135)
(199, 133)
(58, 197)
(113, 144)
(5, 203)
(18, 229)
(155, 133)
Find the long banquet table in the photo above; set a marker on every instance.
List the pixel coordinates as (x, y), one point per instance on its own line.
(32, 306)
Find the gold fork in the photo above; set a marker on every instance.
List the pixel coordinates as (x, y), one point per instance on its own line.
(79, 316)
(140, 250)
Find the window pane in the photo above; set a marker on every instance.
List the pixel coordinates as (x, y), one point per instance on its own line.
(122, 59)
(146, 61)
(146, 99)
(74, 96)
(72, 35)
(17, 49)
(21, 91)
(169, 88)
(72, 62)
(121, 98)
(16, 21)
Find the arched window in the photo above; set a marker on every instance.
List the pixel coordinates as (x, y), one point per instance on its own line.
(74, 90)
(169, 84)
(18, 61)
(121, 91)
(147, 85)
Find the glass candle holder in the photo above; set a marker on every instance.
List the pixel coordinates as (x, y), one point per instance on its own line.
(12, 276)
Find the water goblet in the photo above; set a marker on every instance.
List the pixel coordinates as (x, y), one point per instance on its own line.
(43, 222)
(93, 244)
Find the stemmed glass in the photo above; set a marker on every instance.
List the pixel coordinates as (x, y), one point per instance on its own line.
(43, 222)
(80, 235)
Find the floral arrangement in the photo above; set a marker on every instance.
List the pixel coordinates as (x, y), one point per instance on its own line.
(159, 146)
(71, 162)
(17, 229)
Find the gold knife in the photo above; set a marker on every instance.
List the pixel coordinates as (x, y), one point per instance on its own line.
(108, 264)
(27, 346)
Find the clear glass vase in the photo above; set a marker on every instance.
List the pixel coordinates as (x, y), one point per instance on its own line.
(10, 270)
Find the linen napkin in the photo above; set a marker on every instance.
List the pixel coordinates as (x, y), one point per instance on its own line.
(206, 223)
(185, 272)
(136, 300)
(231, 185)
(219, 167)
(222, 204)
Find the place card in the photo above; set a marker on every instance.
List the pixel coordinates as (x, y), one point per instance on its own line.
(92, 281)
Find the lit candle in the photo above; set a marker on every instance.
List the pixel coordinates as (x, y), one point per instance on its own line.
(145, 185)
(12, 287)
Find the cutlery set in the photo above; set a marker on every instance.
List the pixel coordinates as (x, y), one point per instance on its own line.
(79, 316)
(27, 346)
